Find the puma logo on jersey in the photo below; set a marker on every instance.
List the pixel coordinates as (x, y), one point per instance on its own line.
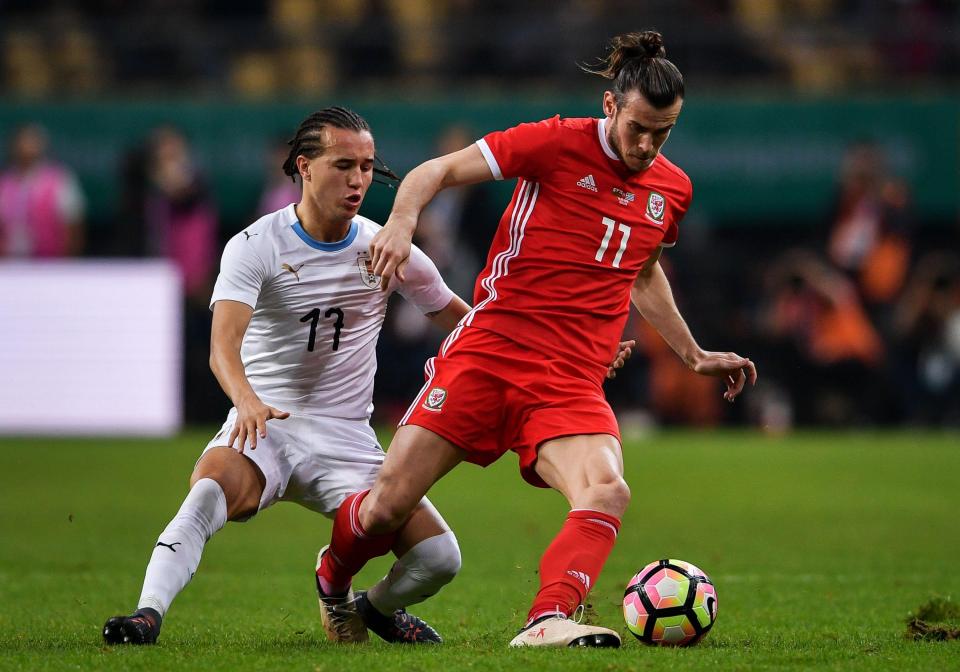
(170, 546)
(581, 577)
(295, 271)
(250, 235)
(587, 183)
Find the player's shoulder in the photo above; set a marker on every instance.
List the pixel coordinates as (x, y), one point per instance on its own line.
(366, 230)
(263, 235)
(671, 171)
(269, 226)
(578, 125)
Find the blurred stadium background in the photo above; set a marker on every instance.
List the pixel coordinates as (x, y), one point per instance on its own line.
(822, 138)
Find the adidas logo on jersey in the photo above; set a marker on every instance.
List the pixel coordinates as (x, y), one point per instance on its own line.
(587, 183)
(581, 577)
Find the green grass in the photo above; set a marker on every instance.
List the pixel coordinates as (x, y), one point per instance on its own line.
(820, 546)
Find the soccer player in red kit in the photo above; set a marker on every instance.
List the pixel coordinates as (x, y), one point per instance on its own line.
(594, 206)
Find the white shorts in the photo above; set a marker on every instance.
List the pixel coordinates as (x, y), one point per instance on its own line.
(313, 461)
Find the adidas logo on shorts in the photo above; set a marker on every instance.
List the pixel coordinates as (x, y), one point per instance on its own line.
(587, 183)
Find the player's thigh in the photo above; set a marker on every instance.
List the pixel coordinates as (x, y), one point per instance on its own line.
(417, 459)
(241, 479)
(587, 469)
(424, 522)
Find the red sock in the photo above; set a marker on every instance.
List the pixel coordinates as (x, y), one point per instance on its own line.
(350, 547)
(573, 561)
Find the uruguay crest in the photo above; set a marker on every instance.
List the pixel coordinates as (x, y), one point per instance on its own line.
(655, 206)
(366, 270)
(435, 399)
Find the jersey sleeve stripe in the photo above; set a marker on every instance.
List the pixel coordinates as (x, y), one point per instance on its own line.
(667, 244)
(491, 159)
(428, 369)
(521, 214)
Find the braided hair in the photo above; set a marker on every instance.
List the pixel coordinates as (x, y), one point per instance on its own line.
(638, 61)
(309, 141)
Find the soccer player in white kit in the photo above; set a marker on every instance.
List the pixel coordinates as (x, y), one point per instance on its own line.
(296, 317)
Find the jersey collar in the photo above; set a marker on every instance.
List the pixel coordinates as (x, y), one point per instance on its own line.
(326, 247)
(602, 134)
(608, 150)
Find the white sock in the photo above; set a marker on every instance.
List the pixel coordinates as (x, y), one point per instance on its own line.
(419, 574)
(177, 553)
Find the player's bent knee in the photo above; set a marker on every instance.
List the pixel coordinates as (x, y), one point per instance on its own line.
(445, 561)
(380, 516)
(611, 497)
(237, 476)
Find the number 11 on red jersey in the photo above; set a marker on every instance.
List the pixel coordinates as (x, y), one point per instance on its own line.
(624, 237)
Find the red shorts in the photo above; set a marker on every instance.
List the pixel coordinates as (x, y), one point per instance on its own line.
(487, 394)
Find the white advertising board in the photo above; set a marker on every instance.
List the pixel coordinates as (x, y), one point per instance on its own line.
(90, 347)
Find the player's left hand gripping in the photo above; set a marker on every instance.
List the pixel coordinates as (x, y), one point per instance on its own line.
(251, 422)
(624, 351)
(389, 252)
(735, 370)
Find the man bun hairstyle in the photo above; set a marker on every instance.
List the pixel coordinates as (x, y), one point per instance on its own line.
(638, 61)
(309, 140)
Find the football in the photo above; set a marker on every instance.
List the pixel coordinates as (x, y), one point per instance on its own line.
(670, 603)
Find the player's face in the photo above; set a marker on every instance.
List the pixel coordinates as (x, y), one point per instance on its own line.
(338, 179)
(637, 130)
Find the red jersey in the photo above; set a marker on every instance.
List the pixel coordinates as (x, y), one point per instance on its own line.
(576, 233)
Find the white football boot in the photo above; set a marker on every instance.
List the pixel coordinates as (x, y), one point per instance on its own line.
(558, 630)
(338, 614)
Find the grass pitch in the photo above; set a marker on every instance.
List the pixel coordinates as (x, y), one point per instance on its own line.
(820, 545)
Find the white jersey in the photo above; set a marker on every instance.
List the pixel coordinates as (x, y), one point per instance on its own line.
(310, 347)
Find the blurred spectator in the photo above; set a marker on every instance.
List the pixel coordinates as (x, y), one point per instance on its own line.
(279, 190)
(827, 352)
(455, 231)
(180, 213)
(870, 230)
(927, 321)
(182, 226)
(441, 231)
(41, 204)
(676, 395)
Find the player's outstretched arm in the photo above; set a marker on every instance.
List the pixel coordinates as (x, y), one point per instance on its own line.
(390, 248)
(230, 320)
(450, 315)
(652, 296)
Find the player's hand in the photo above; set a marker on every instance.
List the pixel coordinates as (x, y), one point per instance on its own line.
(735, 370)
(390, 250)
(252, 416)
(624, 350)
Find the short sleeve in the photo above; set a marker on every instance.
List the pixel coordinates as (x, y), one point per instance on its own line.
(672, 234)
(242, 274)
(527, 150)
(424, 287)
